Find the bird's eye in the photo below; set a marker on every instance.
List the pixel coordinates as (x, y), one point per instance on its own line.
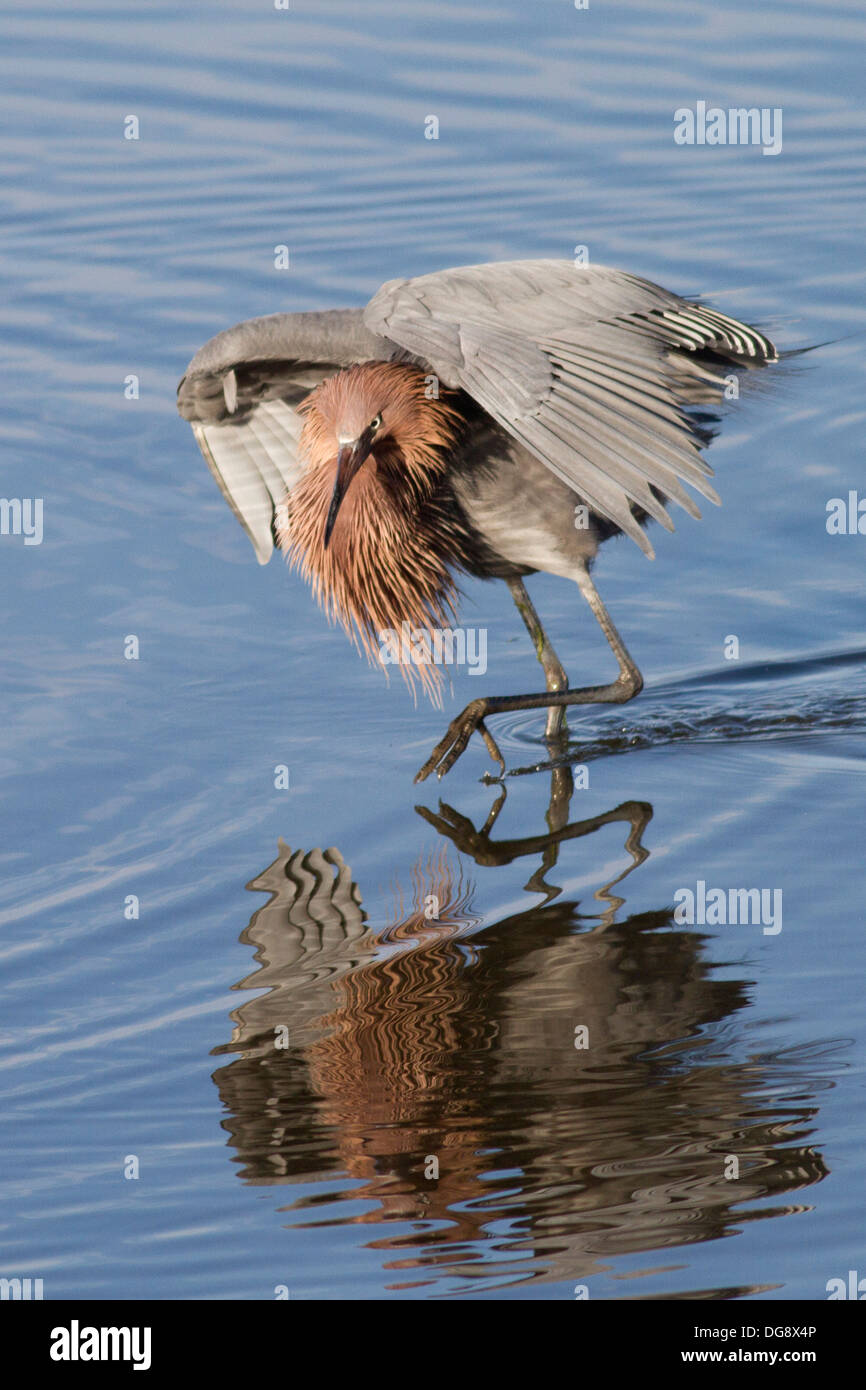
(377, 423)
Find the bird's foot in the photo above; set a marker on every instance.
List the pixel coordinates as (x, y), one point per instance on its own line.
(460, 730)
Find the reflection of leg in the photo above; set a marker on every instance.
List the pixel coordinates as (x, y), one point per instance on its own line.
(550, 662)
(556, 815)
(628, 684)
(639, 814)
(478, 844)
(494, 810)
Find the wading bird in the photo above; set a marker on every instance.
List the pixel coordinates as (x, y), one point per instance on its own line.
(492, 420)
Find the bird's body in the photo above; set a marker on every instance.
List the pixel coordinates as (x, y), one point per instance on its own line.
(492, 420)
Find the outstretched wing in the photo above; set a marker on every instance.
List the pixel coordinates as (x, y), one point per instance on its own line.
(240, 394)
(591, 369)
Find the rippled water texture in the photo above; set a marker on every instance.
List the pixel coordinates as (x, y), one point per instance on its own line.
(358, 1042)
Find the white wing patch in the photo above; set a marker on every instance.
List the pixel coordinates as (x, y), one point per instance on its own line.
(255, 462)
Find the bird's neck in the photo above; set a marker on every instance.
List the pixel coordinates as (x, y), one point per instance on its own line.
(389, 554)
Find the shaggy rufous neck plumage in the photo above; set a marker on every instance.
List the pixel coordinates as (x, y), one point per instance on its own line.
(395, 534)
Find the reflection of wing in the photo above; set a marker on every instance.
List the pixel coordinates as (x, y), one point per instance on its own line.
(239, 394)
(436, 1045)
(575, 362)
(311, 932)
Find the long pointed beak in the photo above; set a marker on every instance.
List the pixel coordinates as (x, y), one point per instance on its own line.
(349, 460)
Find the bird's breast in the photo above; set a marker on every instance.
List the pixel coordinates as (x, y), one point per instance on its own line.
(520, 511)
(389, 553)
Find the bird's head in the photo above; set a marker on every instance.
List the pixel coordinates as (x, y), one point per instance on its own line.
(381, 412)
(368, 521)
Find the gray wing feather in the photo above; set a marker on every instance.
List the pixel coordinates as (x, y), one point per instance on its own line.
(240, 391)
(255, 464)
(578, 363)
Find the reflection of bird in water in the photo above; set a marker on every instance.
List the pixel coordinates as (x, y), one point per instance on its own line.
(493, 420)
(437, 1039)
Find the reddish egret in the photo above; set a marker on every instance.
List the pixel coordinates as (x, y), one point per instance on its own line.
(493, 420)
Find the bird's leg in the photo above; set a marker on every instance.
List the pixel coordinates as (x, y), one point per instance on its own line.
(550, 662)
(628, 683)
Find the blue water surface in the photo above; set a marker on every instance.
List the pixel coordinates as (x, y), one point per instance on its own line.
(339, 1051)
